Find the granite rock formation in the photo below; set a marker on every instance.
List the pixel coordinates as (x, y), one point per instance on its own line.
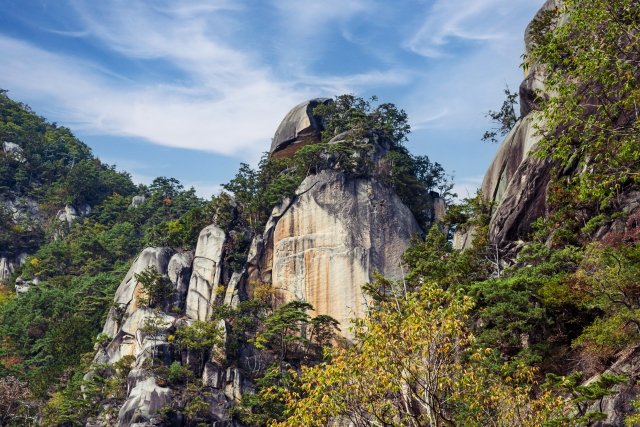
(298, 128)
(331, 238)
(517, 181)
(319, 246)
(205, 279)
(8, 264)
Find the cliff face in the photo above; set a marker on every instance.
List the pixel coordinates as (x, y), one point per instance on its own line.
(516, 180)
(330, 239)
(319, 246)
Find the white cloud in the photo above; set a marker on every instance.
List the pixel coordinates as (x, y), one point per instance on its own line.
(482, 20)
(306, 17)
(240, 113)
(211, 75)
(222, 100)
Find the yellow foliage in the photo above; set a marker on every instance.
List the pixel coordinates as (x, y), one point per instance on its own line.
(411, 366)
(5, 295)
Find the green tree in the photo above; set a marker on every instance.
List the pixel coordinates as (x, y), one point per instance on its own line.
(357, 115)
(413, 365)
(284, 331)
(268, 404)
(154, 327)
(200, 337)
(589, 51)
(505, 119)
(155, 286)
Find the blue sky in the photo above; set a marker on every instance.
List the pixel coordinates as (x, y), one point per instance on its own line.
(190, 89)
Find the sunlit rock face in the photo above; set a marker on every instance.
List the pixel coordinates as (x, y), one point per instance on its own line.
(127, 296)
(332, 237)
(298, 128)
(205, 279)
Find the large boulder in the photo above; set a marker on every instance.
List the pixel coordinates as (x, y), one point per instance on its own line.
(12, 149)
(6, 268)
(205, 278)
(68, 214)
(179, 272)
(524, 200)
(299, 127)
(137, 201)
(128, 293)
(132, 340)
(512, 152)
(144, 401)
(329, 240)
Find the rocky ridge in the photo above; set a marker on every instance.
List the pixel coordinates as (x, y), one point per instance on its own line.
(319, 246)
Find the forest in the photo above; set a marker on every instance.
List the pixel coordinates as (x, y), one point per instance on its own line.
(523, 333)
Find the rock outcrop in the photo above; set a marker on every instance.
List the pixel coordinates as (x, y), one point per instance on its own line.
(145, 399)
(298, 128)
(23, 208)
(205, 279)
(618, 405)
(137, 201)
(128, 293)
(318, 246)
(70, 214)
(332, 237)
(12, 149)
(517, 181)
(9, 264)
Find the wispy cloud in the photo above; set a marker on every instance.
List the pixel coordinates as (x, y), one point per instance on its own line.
(221, 100)
(306, 17)
(226, 119)
(468, 186)
(447, 20)
(219, 75)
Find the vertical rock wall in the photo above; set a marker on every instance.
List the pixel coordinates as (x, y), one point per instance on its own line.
(331, 238)
(515, 180)
(205, 279)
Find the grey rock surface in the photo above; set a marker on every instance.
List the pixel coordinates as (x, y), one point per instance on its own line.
(127, 295)
(137, 201)
(205, 278)
(463, 239)
(179, 271)
(298, 126)
(234, 293)
(6, 268)
(512, 180)
(130, 340)
(512, 152)
(23, 207)
(23, 286)
(618, 405)
(328, 241)
(523, 201)
(230, 380)
(11, 147)
(143, 403)
(68, 214)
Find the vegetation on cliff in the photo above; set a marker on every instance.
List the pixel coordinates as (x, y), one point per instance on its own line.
(563, 302)
(590, 50)
(47, 331)
(485, 336)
